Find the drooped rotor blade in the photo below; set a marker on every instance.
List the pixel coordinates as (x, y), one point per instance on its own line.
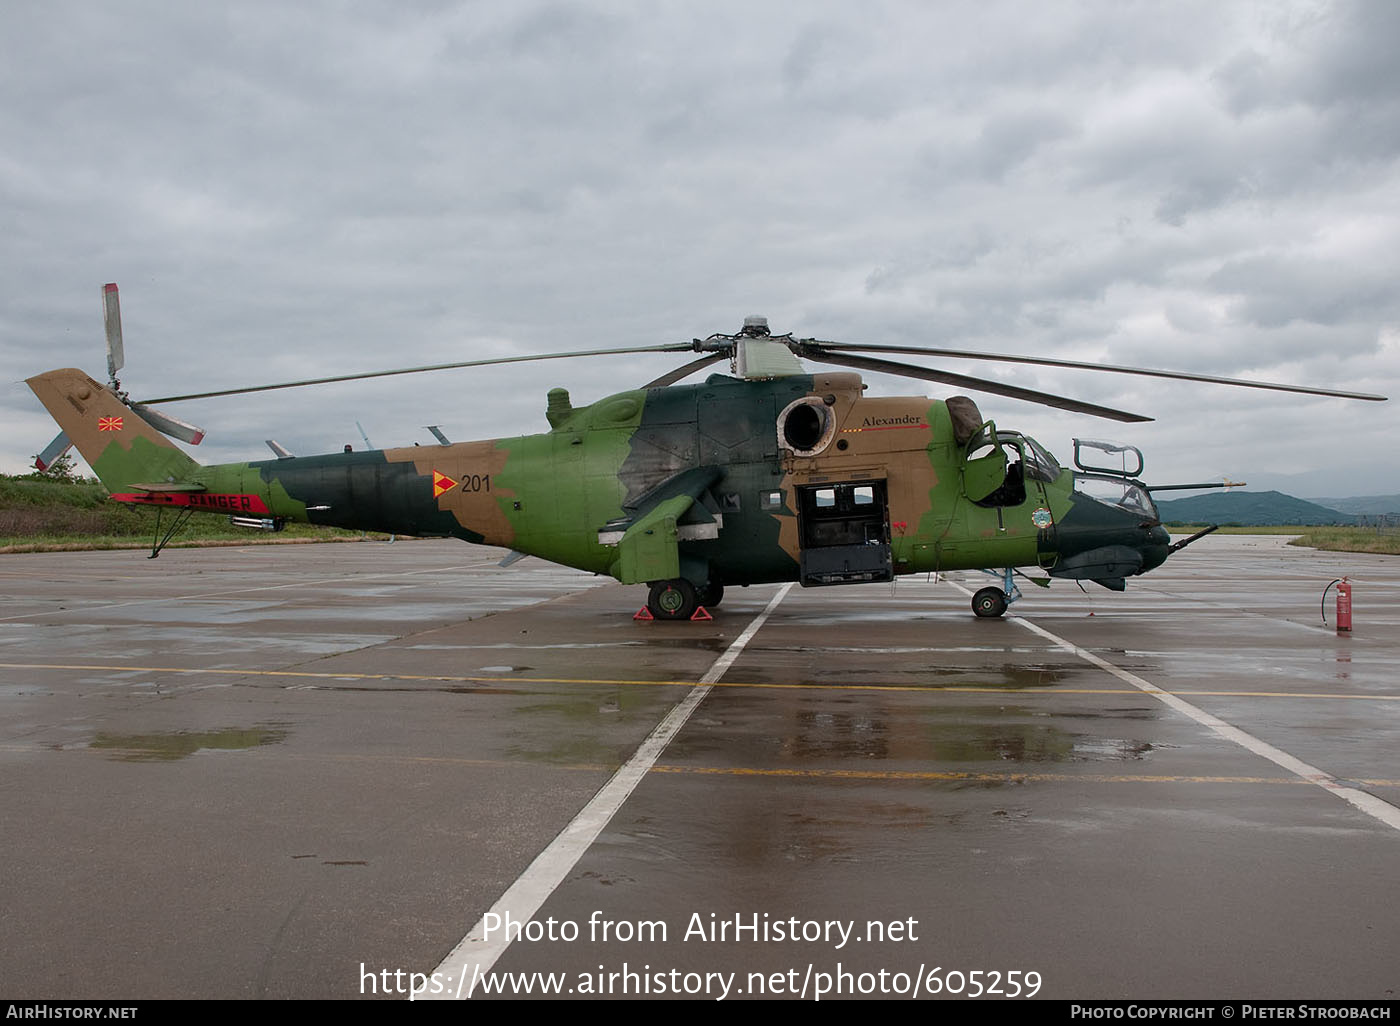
(973, 384)
(675, 347)
(961, 354)
(53, 451)
(112, 320)
(166, 424)
(685, 369)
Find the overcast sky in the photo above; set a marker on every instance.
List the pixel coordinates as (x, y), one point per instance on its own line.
(283, 190)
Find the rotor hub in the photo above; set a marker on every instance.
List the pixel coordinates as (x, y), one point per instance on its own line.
(755, 327)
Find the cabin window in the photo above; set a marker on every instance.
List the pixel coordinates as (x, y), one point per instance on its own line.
(772, 500)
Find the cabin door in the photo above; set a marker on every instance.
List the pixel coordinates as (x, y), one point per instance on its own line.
(845, 532)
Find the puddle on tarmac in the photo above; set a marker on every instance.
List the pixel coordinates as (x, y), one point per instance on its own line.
(1030, 743)
(567, 731)
(167, 747)
(825, 735)
(1008, 675)
(994, 677)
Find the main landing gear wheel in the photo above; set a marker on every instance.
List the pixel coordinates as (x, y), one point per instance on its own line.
(989, 602)
(710, 594)
(672, 600)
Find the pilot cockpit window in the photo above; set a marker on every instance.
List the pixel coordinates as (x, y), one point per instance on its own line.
(1116, 491)
(1040, 465)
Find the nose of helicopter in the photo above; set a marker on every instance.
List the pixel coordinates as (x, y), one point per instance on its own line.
(1109, 542)
(1155, 546)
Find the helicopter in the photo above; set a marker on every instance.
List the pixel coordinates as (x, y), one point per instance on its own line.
(770, 473)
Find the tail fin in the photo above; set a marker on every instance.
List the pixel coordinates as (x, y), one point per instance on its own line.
(122, 449)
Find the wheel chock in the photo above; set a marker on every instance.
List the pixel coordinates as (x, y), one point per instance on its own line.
(643, 614)
(701, 613)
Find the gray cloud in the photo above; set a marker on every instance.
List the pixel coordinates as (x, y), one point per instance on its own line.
(288, 190)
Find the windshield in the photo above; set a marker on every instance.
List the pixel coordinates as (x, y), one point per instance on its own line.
(1039, 463)
(1116, 491)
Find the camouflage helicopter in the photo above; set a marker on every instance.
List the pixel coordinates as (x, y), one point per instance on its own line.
(769, 473)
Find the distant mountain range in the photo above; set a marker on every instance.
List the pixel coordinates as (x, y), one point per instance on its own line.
(1363, 504)
(1253, 509)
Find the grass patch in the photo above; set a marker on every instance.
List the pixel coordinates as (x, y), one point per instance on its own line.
(1237, 529)
(1383, 540)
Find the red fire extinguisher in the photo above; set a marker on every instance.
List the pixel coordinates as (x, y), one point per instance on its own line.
(1343, 604)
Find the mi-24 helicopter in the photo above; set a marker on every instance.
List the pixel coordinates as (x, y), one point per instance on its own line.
(769, 473)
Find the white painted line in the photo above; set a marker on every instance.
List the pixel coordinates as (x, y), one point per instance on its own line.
(1366, 802)
(474, 956)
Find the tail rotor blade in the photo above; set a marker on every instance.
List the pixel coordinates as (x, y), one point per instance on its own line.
(112, 316)
(53, 451)
(166, 424)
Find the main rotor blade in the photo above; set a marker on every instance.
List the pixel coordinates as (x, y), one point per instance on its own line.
(685, 369)
(962, 354)
(817, 352)
(675, 347)
(112, 321)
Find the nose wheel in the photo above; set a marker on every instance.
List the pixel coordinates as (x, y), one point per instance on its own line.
(989, 602)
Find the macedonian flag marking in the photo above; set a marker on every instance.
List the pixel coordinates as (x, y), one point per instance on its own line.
(442, 483)
(109, 423)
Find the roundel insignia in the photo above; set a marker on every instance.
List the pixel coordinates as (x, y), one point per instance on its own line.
(1042, 518)
(442, 483)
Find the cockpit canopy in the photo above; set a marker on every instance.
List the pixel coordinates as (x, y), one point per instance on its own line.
(1116, 491)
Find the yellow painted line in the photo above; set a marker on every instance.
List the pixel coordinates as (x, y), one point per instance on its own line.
(911, 776)
(612, 682)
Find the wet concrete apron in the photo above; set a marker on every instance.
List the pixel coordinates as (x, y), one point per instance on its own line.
(309, 771)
